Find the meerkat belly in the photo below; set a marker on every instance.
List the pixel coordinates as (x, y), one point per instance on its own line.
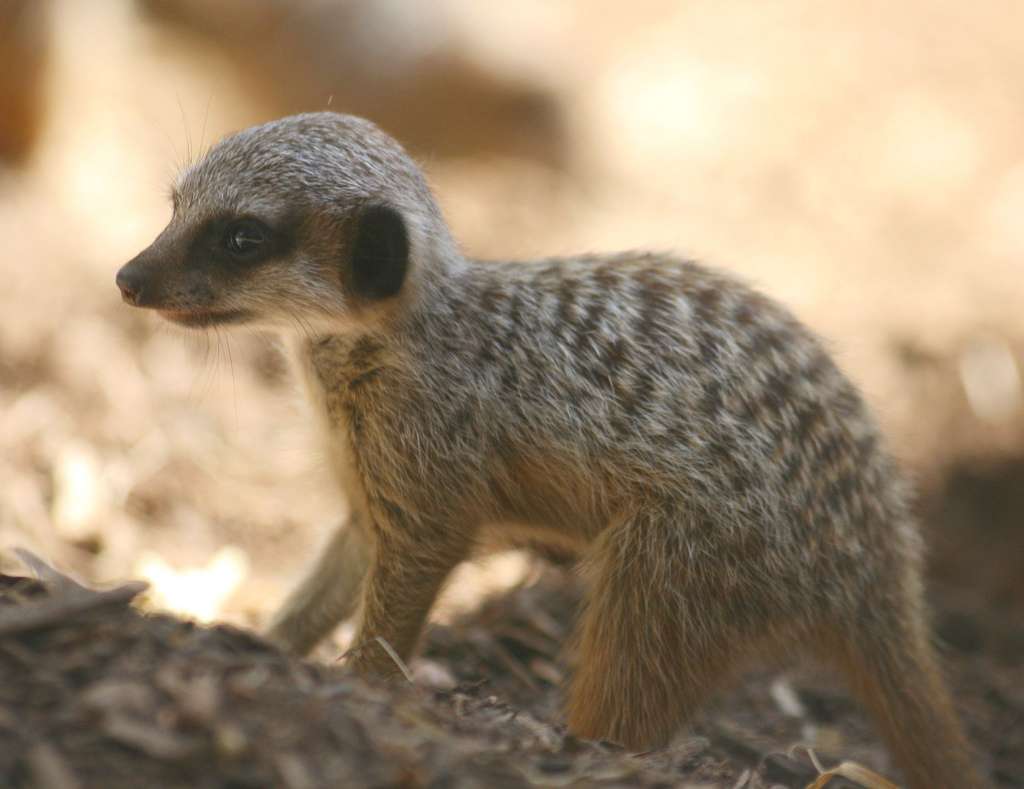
(545, 499)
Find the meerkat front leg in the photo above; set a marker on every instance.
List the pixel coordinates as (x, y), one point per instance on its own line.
(410, 564)
(330, 591)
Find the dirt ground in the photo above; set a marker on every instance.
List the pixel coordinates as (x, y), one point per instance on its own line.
(862, 164)
(97, 694)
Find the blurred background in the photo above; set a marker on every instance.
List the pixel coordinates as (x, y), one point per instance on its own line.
(863, 162)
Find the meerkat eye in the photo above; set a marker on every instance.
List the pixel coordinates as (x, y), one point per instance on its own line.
(245, 238)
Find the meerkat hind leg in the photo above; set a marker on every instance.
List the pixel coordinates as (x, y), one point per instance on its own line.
(328, 594)
(650, 650)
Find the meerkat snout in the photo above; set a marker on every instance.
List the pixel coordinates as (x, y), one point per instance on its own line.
(723, 483)
(129, 282)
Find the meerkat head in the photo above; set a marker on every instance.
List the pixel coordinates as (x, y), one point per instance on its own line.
(315, 220)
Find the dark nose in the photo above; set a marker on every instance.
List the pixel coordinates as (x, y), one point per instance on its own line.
(130, 284)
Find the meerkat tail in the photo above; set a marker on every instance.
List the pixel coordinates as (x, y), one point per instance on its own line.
(900, 684)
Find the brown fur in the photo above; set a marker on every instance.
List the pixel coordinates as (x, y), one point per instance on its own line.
(721, 480)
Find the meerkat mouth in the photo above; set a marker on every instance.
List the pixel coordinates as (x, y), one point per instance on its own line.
(203, 318)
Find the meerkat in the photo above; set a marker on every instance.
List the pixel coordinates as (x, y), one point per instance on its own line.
(721, 481)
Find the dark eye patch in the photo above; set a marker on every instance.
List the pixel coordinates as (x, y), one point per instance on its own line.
(234, 242)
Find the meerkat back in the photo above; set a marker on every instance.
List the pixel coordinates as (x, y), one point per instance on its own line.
(721, 481)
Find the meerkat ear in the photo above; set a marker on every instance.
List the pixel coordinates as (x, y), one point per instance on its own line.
(379, 254)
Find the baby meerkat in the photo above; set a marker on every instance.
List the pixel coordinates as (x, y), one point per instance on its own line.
(720, 479)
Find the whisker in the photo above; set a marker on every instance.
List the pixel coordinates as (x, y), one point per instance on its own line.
(231, 366)
(307, 327)
(184, 125)
(205, 375)
(206, 116)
